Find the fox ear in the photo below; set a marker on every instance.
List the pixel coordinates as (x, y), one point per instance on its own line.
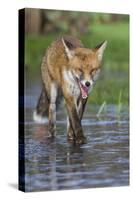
(100, 49)
(68, 52)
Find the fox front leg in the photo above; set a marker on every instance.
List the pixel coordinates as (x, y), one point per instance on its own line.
(75, 122)
(70, 133)
(80, 109)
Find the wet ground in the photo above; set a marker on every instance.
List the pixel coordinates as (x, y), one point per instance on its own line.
(54, 164)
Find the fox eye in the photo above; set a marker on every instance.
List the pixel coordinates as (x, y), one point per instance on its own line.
(95, 74)
(80, 71)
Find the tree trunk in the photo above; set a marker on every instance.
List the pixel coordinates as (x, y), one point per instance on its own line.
(32, 20)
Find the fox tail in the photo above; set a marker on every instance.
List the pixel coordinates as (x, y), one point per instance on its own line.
(40, 115)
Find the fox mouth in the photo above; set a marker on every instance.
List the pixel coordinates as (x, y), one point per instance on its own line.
(84, 90)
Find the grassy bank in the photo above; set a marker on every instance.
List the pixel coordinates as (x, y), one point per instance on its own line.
(114, 76)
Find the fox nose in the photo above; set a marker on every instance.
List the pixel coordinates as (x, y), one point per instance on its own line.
(87, 83)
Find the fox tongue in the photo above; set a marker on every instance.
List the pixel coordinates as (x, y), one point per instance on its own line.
(84, 91)
(84, 94)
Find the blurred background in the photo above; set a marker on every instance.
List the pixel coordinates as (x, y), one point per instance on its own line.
(44, 26)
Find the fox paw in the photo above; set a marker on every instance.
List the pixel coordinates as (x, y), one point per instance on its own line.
(80, 140)
(70, 136)
(52, 132)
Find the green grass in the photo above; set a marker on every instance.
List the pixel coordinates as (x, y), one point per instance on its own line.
(114, 78)
(117, 51)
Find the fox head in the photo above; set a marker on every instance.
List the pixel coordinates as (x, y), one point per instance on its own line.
(85, 65)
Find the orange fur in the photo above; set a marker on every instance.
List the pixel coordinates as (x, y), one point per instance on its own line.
(66, 61)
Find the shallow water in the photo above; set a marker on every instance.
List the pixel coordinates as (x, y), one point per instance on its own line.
(52, 164)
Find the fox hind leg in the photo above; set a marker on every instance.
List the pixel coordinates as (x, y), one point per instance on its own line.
(52, 109)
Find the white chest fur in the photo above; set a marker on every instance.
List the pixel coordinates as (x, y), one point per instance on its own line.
(72, 86)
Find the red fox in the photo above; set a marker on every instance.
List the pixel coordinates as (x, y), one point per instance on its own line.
(68, 70)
